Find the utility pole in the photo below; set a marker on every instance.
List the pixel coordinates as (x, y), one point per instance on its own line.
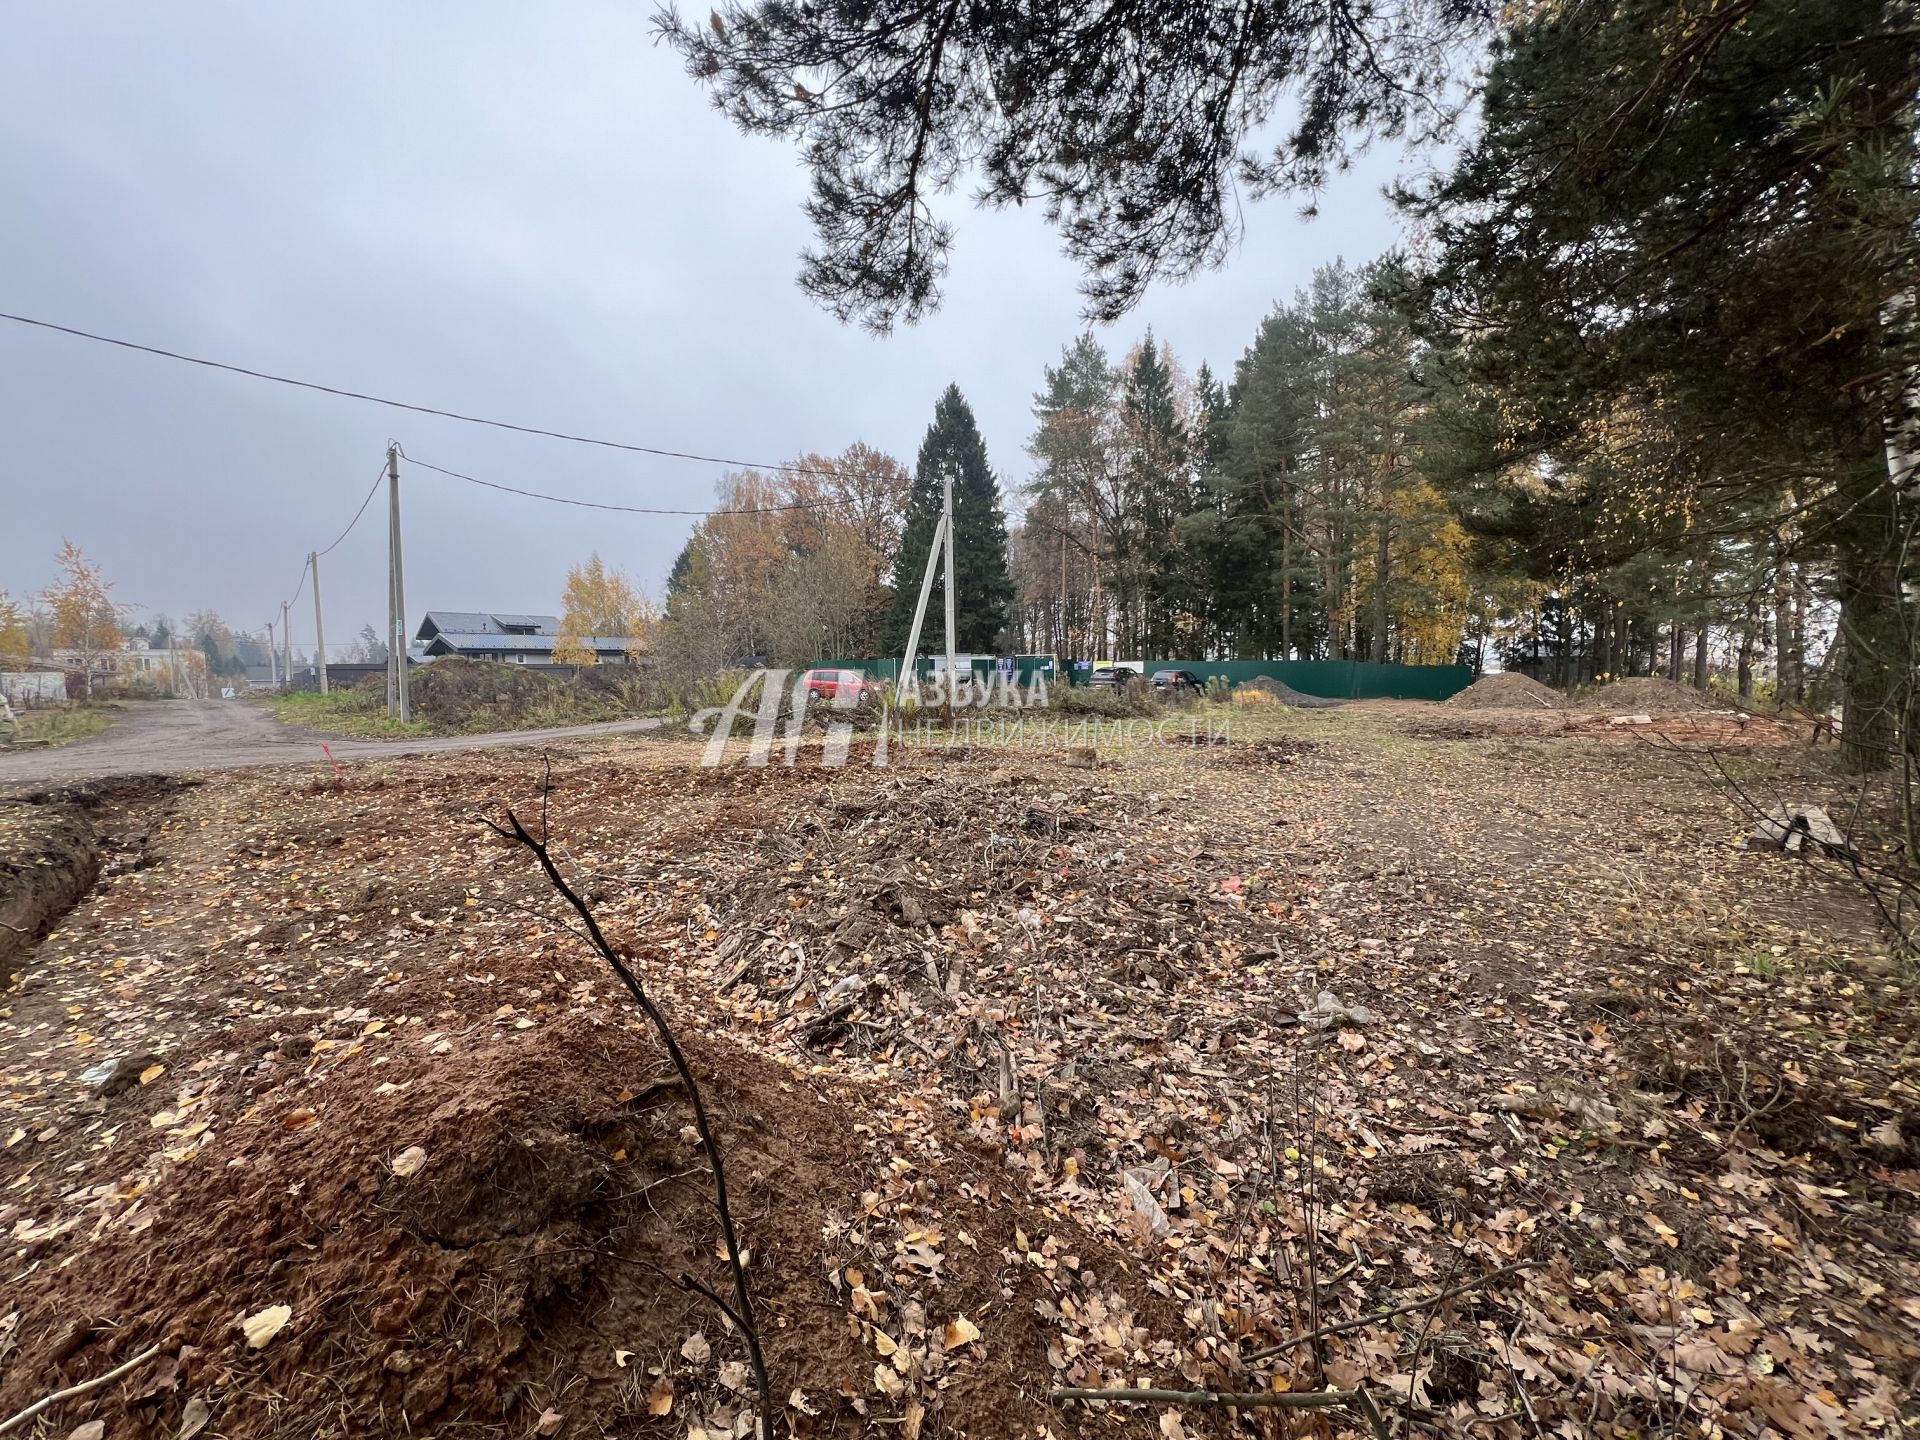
(286, 643)
(946, 518)
(319, 625)
(273, 659)
(397, 706)
(920, 612)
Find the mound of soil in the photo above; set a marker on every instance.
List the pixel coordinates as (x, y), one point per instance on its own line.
(1507, 691)
(521, 1277)
(1286, 694)
(1648, 694)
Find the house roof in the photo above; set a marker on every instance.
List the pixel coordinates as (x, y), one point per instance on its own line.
(469, 644)
(481, 622)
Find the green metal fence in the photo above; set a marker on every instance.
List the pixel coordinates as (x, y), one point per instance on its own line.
(1330, 679)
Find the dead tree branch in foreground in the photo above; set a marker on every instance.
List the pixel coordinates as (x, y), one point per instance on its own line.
(740, 1311)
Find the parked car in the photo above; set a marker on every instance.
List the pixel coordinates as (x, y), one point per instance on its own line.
(831, 684)
(1174, 681)
(1113, 677)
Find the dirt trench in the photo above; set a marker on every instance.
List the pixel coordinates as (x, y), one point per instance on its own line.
(53, 844)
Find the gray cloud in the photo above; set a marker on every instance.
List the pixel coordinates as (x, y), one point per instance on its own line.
(518, 211)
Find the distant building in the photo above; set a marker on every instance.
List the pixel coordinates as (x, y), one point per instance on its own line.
(507, 639)
(136, 663)
(253, 653)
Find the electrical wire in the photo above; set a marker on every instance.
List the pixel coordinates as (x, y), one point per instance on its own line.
(380, 475)
(788, 468)
(622, 509)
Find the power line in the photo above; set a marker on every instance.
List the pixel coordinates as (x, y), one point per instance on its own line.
(623, 509)
(788, 468)
(379, 475)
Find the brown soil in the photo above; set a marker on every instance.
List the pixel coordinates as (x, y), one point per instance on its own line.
(1647, 694)
(1286, 694)
(51, 847)
(1507, 691)
(530, 1265)
(940, 1012)
(560, 1198)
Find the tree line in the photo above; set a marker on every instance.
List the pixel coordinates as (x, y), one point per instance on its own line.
(1649, 360)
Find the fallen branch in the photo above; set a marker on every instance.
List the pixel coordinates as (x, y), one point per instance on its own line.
(1378, 1315)
(1226, 1399)
(72, 1390)
(740, 1312)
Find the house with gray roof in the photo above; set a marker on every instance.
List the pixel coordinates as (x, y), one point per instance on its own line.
(507, 639)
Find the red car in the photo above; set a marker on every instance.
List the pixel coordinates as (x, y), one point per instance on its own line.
(831, 684)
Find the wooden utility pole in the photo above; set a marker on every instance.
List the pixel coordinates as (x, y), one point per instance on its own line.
(397, 705)
(319, 625)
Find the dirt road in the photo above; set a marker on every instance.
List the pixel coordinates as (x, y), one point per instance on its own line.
(164, 737)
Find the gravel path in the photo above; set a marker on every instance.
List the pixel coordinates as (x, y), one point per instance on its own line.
(164, 737)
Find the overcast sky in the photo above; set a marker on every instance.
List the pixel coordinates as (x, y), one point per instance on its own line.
(519, 211)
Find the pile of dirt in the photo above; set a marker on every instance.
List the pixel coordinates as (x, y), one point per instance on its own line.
(1646, 694)
(1284, 693)
(1507, 691)
(491, 1237)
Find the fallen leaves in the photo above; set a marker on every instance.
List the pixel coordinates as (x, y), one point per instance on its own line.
(261, 1326)
(960, 1331)
(408, 1162)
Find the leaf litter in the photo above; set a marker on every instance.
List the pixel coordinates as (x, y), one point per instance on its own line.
(1039, 1077)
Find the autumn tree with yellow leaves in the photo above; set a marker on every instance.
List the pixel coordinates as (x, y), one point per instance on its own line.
(85, 619)
(600, 604)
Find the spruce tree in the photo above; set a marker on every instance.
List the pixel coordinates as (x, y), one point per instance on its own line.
(983, 583)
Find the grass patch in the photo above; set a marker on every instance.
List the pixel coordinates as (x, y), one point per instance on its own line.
(346, 712)
(467, 697)
(61, 726)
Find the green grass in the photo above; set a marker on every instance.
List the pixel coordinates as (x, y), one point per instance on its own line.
(59, 727)
(345, 712)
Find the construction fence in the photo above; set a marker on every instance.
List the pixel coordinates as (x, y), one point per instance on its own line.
(1329, 679)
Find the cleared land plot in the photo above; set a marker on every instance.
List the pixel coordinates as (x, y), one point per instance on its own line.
(999, 1044)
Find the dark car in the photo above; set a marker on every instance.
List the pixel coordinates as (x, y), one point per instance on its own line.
(1113, 677)
(1175, 681)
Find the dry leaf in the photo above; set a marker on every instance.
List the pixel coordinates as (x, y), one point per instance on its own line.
(886, 1382)
(695, 1350)
(620, 1358)
(92, 1430)
(1170, 1426)
(733, 1375)
(193, 1418)
(660, 1398)
(152, 1073)
(550, 1422)
(960, 1331)
(263, 1325)
(409, 1161)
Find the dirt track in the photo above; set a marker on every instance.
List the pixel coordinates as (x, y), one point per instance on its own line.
(165, 737)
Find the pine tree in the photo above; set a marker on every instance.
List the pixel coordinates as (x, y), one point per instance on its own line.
(983, 584)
